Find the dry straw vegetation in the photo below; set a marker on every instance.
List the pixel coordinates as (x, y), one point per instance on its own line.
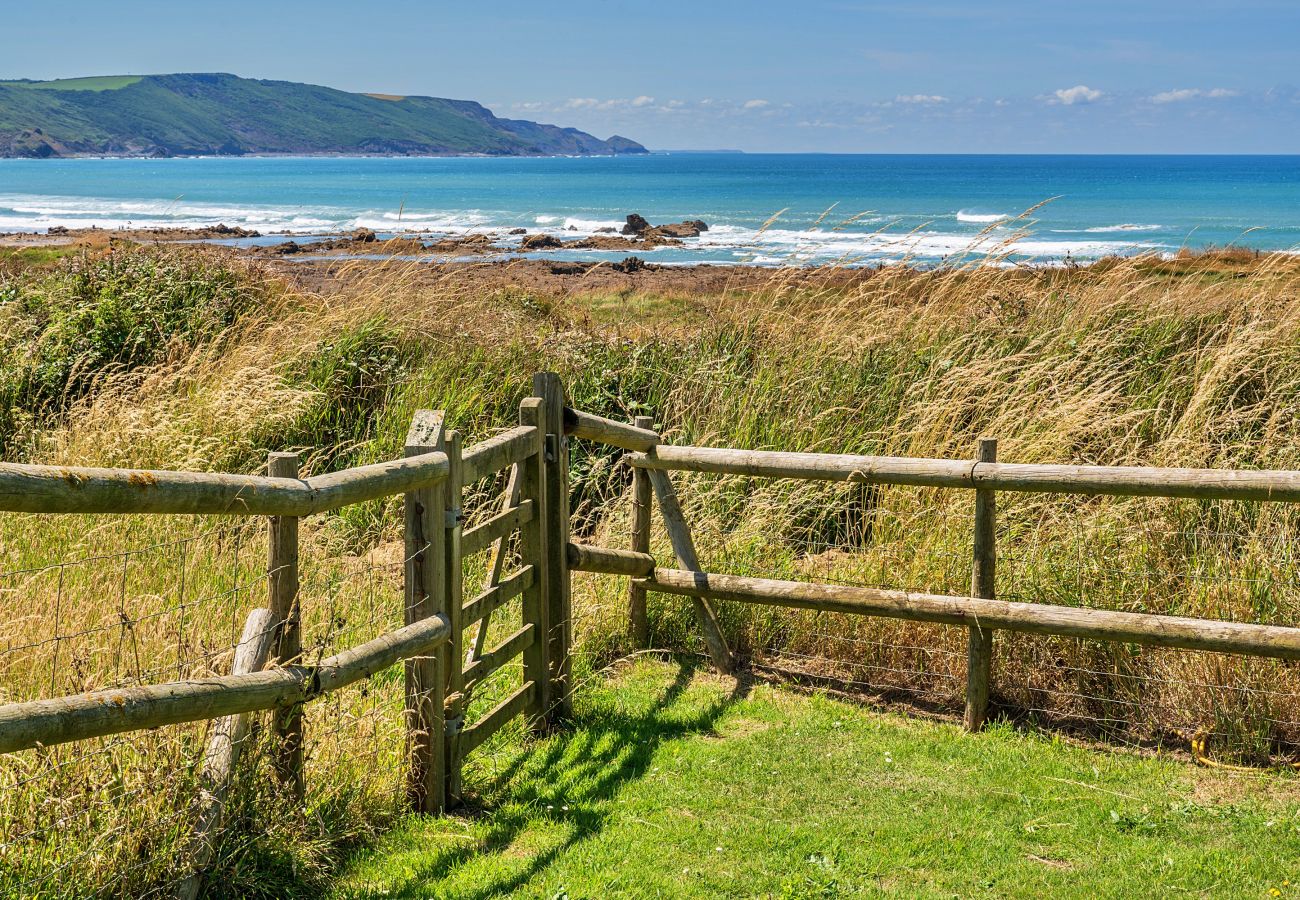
(194, 359)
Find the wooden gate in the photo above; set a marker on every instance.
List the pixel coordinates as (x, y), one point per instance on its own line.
(524, 542)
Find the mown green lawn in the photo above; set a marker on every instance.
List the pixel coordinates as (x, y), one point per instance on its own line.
(675, 783)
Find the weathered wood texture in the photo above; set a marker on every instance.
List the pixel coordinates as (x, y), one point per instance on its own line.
(49, 722)
(684, 549)
(606, 431)
(1207, 484)
(491, 532)
(221, 758)
(502, 653)
(979, 642)
(454, 600)
(480, 607)
(282, 569)
(1033, 618)
(63, 489)
(495, 453)
(492, 578)
(585, 558)
(426, 596)
(559, 597)
(532, 548)
(638, 625)
(518, 702)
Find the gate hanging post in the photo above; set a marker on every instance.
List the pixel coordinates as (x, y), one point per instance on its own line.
(642, 493)
(533, 540)
(549, 387)
(979, 646)
(426, 595)
(454, 574)
(282, 565)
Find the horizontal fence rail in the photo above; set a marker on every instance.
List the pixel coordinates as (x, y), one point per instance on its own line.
(1278, 642)
(44, 723)
(496, 453)
(452, 703)
(979, 611)
(67, 489)
(1119, 481)
(606, 431)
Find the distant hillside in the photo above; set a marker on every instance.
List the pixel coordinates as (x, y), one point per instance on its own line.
(190, 115)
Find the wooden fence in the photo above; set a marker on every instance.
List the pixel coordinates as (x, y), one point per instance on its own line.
(269, 670)
(531, 533)
(980, 611)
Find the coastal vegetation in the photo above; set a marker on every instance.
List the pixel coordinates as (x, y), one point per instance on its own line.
(193, 358)
(219, 114)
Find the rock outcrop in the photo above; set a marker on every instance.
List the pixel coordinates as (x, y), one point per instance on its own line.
(637, 226)
(541, 242)
(689, 228)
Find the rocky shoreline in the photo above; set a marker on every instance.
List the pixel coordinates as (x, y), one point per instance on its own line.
(636, 235)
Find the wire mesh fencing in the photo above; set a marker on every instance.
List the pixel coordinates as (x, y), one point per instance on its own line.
(1226, 560)
(152, 599)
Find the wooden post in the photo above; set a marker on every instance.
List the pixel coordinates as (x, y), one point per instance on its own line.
(979, 645)
(533, 539)
(282, 563)
(455, 709)
(638, 625)
(684, 549)
(222, 755)
(548, 386)
(426, 595)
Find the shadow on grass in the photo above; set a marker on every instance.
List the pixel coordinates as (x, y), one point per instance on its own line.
(563, 783)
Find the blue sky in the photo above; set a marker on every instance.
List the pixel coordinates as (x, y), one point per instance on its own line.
(816, 75)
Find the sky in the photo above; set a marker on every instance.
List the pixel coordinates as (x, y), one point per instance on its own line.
(908, 76)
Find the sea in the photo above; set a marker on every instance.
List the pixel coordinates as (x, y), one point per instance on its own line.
(761, 209)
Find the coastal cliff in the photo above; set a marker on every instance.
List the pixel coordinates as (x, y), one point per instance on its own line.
(224, 115)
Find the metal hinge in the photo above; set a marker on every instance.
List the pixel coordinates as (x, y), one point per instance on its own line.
(454, 726)
(454, 518)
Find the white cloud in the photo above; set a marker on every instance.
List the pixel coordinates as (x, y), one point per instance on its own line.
(643, 100)
(920, 98)
(1080, 93)
(756, 104)
(1183, 94)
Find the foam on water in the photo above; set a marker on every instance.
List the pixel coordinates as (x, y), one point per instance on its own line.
(1198, 201)
(981, 218)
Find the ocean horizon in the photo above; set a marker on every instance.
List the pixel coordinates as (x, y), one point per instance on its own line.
(762, 208)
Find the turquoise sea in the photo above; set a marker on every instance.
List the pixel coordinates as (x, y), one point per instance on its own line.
(764, 209)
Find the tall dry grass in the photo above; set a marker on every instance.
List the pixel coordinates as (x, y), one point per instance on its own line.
(1192, 361)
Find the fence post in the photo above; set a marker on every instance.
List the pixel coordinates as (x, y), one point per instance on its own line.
(638, 625)
(455, 709)
(426, 595)
(282, 564)
(979, 646)
(548, 386)
(533, 539)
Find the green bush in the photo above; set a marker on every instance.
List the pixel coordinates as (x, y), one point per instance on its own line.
(96, 315)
